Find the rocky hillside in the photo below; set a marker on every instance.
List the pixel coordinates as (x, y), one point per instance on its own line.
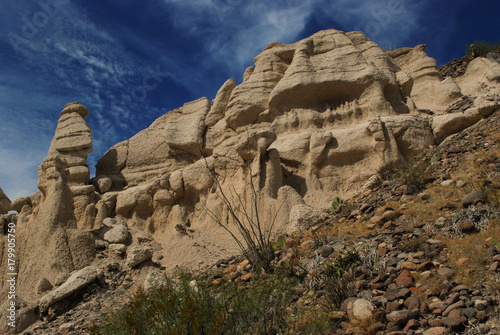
(321, 119)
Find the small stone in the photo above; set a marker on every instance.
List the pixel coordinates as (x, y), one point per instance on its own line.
(400, 318)
(459, 288)
(246, 277)
(494, 266)
(390, 215)
(436, 331)
(104, 184)
(462, 261)
(405, 279)
(465, 226)
(362, 309)
(461, 183)
(453, 324)
(43, 285)
(409, 266)
(365, 208)
(435, 323)
(412, 324)
(435, 242)
(326, 251)
(117, 234)
(456, 313)
(403, 293)
(493, 251)
(392, 306)
(377, 220)
(138, 254)
(450, 308)
(473, 198)
(425, 266)
(449, 182)
(411, 303)
(445, 272)
(480, 305)
(117, 248)
(425, 196)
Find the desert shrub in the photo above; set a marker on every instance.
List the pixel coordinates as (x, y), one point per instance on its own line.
(338, 279)
(255, 241)
(414, 244)
(415, 173)
(182, 308)
(481, 49)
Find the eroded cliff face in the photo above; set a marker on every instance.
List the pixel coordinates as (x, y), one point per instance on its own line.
(310, 121)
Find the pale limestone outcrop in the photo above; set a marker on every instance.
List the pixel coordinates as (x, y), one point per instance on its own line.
(447, 124)
(50, 231)
(49, 241)
(170, 143)
(218, 109)
(481, 78)
(429, 91)
(311, 120)
(73, 142)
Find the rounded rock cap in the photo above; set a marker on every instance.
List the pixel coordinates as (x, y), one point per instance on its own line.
(73, 107)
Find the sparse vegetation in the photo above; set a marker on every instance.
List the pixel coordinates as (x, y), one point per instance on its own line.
(255, 241)
(481, 49)
(193, 306)
(337, 205)
(415, 173)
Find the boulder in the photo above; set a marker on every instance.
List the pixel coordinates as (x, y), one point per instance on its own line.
(117, 234)
(138, 254)
(75, 282)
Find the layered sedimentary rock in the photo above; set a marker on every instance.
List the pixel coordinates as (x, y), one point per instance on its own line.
(48, 241)
(429, 91)
(311, 120)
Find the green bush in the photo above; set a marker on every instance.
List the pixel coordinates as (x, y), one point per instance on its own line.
(415, 173)
(182, 308)
(481, 49)
(337, 205)
(342, 264)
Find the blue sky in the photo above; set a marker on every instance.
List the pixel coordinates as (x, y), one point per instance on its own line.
(130, 62)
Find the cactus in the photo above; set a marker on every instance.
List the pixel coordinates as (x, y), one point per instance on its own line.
(337, 205)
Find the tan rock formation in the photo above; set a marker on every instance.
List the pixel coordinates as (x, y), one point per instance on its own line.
(311, 120)
(5, 204)
(429, 90)
(48, 241)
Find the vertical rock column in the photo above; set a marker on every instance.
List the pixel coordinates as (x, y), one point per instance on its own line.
(71, 144)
